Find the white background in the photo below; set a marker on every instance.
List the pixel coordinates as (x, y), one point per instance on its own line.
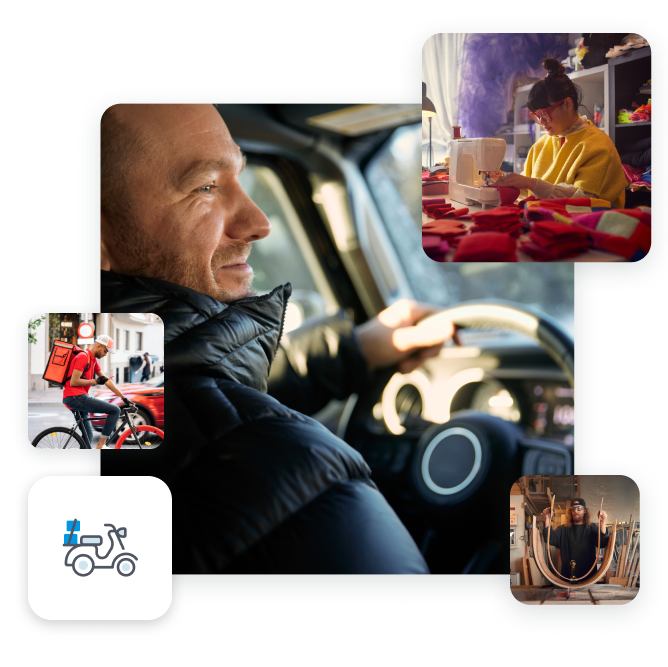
(63, 64)
(141, 505)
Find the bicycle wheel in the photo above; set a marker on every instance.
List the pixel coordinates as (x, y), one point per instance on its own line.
(58, 437)
(149, 436)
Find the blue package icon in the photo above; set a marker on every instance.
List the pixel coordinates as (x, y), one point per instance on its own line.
(69, 525)
(66, 539)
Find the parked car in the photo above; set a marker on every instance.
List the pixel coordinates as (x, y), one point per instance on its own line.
(149, 397)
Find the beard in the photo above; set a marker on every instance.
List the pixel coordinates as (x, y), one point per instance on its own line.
(144, 255)
(578, 518)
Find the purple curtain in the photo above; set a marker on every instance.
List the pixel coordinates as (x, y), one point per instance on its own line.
(490, 64)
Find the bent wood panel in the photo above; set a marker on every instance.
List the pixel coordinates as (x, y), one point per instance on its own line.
(538, 544)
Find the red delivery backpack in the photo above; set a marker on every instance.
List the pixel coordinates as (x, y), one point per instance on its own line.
(61, 360)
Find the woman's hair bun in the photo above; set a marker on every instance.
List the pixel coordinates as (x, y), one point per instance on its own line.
(553, 66)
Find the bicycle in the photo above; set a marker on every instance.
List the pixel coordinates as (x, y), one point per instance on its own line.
(60, 437)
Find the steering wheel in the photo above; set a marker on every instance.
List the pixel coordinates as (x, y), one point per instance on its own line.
(475, 456)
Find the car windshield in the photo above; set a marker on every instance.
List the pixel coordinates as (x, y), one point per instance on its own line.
(392, 178)
(157, 381)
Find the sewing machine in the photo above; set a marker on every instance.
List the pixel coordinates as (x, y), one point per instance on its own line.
(471, 162)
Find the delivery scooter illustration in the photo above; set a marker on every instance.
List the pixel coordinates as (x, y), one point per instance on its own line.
(85, 554)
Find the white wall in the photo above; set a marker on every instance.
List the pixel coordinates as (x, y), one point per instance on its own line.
(516, 555)
(153, 341)
(37, 356)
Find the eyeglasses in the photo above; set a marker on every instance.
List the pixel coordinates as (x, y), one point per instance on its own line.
(578, 508)
(543, 115)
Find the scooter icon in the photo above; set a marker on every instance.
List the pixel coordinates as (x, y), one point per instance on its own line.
(80, 556)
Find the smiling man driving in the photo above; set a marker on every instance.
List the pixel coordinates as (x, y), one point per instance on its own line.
(257, 486)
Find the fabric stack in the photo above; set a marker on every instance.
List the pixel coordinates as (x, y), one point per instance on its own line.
(625, 232)
(440, 233)
(504, 219)
(486, 247)
(446, 229)
(435, 247)
(439, 209)
(563, 209)
(637, 177)
(551, 241)
(433, 176)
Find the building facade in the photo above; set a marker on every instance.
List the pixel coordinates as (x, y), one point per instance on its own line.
(133, 333)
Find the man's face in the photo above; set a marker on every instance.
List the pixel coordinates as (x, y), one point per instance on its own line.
(578, 513)
(99, 351)
(190, 222)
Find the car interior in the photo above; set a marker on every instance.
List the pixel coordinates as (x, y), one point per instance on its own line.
(339, 185)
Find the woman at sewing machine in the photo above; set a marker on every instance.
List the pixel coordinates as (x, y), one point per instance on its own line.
(574, 158)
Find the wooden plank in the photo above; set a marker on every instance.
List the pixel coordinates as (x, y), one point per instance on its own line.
(622, 556)
(525, 568)
(635, 576)
(633, 551)
(621, 581)
(536, 576)
(628, 546)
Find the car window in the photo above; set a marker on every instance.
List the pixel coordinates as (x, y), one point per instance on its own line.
(392, 175)
(286, 255)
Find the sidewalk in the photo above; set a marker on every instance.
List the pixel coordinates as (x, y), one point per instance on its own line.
(50, 397)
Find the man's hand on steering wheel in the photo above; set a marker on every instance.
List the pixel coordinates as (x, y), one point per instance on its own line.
(393, 337)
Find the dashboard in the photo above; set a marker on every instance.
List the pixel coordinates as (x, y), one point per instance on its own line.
(517, 383)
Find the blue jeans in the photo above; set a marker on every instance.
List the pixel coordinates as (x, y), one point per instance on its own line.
(84, 403)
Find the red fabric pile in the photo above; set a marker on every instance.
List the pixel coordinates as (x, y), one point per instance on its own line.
(504, 219)
(486, 247)
(555, 240)
(435, 247)
(642, 114)
(434, 177)
(439, 208)
(447, 229)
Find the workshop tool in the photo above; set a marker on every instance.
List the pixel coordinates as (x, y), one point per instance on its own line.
(472, 161)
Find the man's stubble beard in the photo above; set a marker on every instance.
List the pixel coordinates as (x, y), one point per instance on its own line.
(143, 255)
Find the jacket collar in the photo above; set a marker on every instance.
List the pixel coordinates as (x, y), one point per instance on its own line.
(233, 341)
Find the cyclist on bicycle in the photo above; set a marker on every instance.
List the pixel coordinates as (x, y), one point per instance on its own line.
(75, 393)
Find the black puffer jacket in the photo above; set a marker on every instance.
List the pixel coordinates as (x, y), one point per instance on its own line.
(258, 487)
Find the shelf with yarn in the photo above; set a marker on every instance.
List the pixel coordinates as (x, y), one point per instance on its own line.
(627, 75)
(638, 124)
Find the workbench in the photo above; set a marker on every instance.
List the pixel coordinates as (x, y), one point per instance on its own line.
(589, 256)
(597, 594)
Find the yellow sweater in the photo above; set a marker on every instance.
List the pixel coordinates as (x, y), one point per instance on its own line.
(588, 160)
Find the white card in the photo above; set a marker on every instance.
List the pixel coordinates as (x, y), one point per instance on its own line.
(115, 563)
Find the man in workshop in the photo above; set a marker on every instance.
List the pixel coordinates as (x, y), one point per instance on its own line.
(262, 487)
(75, 393)
(577, 539)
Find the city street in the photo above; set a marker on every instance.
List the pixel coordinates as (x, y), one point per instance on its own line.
(44, 415)
(41, 417)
